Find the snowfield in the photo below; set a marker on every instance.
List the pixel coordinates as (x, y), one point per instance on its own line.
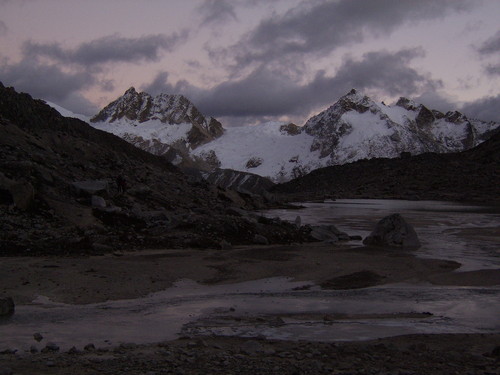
(278, 152)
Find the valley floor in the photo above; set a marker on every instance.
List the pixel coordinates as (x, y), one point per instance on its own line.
(126, 275)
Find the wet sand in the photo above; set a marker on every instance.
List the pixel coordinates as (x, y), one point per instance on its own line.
(82, 280)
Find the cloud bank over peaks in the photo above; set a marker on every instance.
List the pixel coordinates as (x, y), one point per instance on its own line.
(60, 75)
(268, 92)
(320, 27)
(214, 12)
(491, 48)
(3, 28)
(111, 48)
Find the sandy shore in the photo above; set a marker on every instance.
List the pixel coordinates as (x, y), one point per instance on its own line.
(81, 280)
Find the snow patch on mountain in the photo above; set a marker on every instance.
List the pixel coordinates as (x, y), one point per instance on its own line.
(149, 130)
(265, 149)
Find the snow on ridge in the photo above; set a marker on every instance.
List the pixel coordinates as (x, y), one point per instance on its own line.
(67, 113)
(148, 130)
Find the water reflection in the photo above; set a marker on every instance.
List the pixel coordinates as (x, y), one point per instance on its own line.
(468, 234)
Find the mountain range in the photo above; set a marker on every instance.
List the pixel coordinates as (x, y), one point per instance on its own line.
(353, 128)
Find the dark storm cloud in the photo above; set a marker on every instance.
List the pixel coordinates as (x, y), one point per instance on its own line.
(50, 82)
(49, 71)
(160, 85)
(39, 79)
(485, 109)
(217, 11)
(491, 47)
(269, 92)
(112, 48)
(3, 28)
(435, 100)
(320, 27)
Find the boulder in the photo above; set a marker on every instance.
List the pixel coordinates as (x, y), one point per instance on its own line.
(260, 240)
(98, 202)
(328, 233)
(393, 231)
(298, 221)
(225, 245)
(19, 193)
(7, 307)
(23, 194)
(90, 187)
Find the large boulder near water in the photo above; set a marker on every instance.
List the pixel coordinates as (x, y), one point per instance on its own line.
(393, 230)
(7, 307)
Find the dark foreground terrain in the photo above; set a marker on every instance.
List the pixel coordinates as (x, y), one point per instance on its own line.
(59, 192)
(404, 355)
(469, 176)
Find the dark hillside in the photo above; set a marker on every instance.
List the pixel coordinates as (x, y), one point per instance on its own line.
(473, 175)
(58, 191)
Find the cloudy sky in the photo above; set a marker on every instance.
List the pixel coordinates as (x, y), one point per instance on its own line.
(248, 61)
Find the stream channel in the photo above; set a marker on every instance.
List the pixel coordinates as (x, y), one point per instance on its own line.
(279, 308)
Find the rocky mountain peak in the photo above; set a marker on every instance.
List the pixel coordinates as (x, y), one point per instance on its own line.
(354, 100)
(161, 124)
(407, 104)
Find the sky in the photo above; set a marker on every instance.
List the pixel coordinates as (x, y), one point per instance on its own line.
(250, 61)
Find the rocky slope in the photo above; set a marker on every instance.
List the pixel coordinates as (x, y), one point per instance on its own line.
(58, 192)
(164, 124)
(243, 182)
(472, 175)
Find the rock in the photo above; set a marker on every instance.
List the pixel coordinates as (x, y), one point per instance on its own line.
(260, 240)
(100, 247)
(356, 280)
(23, 194)
(90, 187)
(73, 350)
(98, 202)
(8, 351)
(328, 233)
(38, 337)
(33, 349)
(251, 347)
(225, 245)
(6, 371)
(50, 347)
(7, 307)
(89, 348)
(393, 230)
(298, 221)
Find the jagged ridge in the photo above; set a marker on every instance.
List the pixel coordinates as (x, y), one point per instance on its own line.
(158, 123)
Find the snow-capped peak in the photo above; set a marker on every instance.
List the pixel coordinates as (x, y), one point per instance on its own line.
(157, 123)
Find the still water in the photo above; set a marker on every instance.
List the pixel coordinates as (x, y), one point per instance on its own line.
(468, 234)
(278, 308)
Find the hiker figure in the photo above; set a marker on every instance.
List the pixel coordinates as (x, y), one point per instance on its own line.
(121, 183)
